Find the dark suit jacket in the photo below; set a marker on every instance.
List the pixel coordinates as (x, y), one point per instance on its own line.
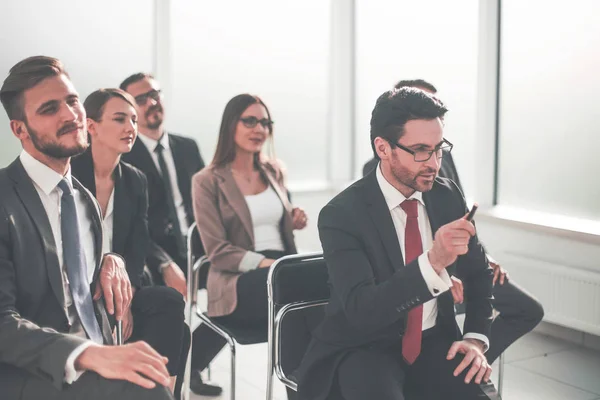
(372, 290)
(447, 170)
(130, 237)
(187, 162)
(33, 324)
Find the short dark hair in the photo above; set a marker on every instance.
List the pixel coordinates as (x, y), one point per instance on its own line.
(24, 75)
(134, 78)
(418, 83)
(95, 102)
(396, 107)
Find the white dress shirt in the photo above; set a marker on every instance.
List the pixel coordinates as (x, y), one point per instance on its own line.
(168, 155)
(45, 180)
(437, 284)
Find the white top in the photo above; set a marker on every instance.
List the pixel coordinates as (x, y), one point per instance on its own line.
(266, 211)
(45, 180)
(437, 284)
(107, 224)
(168, 155)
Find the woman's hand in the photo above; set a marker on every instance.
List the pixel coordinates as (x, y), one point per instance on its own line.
(299, 218)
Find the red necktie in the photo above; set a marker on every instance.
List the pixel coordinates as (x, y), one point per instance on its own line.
(413, 248)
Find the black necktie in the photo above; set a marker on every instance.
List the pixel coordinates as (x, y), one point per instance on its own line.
(166, 178)
(76, 266)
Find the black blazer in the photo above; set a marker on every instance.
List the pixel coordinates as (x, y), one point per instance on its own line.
(371, 288)
(130, 236)
(187, 162)
(447, 169)
(31, 292)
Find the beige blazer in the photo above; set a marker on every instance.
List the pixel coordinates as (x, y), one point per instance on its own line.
(226, 230)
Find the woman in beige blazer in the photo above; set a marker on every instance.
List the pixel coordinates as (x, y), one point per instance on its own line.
(243, 214)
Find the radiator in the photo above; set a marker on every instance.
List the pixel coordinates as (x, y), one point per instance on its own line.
(570, 295)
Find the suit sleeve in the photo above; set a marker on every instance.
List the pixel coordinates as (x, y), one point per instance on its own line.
(40, 351)
(223, 254)
(477, 276)
(368, 305)
(140, 238)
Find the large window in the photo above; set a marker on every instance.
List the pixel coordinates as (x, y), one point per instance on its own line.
(276, 49)
(549, 110)
(96, 53)
(435, 40)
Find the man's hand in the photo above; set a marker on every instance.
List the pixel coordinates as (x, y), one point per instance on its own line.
(500, 274)
(299, 218)
(457, 290)
(114, 285)
(266, 263)
(174, 278)
(473, 351)
(135, 362)
(450, 241)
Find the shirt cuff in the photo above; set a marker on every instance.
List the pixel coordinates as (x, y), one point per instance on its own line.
(480, 337)
(250, 261)
(71, 374)
(437, 284)
(491, 259)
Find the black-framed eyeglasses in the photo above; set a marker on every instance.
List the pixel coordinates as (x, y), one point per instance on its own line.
(251, 122)
(142, 99)
(425, 155)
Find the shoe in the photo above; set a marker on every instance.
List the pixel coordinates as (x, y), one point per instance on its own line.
(203, 389)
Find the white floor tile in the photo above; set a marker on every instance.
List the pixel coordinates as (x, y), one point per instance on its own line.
(579, 368)
(536, 345)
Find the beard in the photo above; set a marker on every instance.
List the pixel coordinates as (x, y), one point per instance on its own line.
(157, 122)
(411, 179)
(53, 148)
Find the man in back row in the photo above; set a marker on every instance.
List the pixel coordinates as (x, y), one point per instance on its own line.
(169, 162)
(519, 312)
(55, 334)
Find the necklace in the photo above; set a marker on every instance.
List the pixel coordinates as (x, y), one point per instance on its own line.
(243, 176)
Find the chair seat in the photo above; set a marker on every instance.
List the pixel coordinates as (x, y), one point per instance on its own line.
(243, 335)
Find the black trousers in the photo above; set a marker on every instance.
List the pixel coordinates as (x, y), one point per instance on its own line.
(158, 319)
(91, 386)
(379, 372)
(519, 312)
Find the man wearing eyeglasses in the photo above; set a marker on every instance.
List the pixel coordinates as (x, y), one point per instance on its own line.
(169, 162)
(518, 311)
(393, 242)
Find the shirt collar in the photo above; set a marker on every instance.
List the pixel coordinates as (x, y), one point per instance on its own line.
(392, 196)
(151, 143)
(42, 175)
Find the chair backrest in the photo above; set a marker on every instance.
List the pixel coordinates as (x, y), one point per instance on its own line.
(198, 265)
(298, 293)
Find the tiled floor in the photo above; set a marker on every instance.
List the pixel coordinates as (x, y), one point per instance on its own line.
(538, 367)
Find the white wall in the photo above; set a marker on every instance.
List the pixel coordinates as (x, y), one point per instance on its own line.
(100, 43)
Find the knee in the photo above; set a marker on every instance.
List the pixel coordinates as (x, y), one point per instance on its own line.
(160, 299)
(536, 312)
(158, 393)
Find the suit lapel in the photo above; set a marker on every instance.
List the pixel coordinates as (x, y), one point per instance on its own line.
(235, 198)
(122, 212)
(143, 159)
(184, 175)
(31, 200)
(380, 214)
(275, 185)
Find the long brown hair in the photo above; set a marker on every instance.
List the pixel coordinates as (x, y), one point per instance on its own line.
(234, 109)
(95, 102)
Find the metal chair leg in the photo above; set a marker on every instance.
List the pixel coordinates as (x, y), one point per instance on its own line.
(501, 374)
(232, 347)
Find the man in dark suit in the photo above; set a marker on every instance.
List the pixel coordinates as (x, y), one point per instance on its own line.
(519, 312)
(58, 292)
(169, 162)
(392, 242)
